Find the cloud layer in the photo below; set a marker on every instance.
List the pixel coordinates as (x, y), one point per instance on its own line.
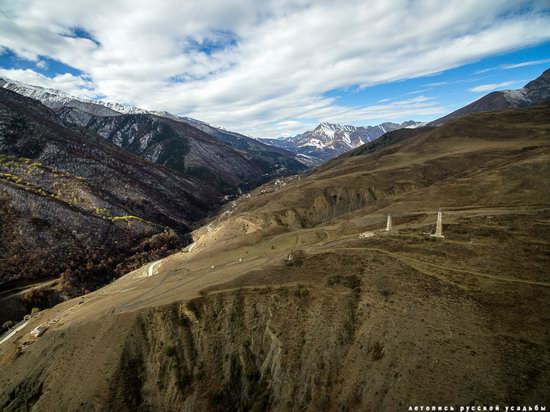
(483, 88)
(262, 68)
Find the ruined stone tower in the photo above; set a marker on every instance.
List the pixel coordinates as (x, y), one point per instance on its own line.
(389, 225)
(439, 225)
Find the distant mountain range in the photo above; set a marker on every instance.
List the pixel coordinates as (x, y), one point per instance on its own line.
(534, 93)
(55, 99)
(229, 160)
(329, 140)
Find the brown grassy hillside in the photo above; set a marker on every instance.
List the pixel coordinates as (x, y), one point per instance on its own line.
(280, 305)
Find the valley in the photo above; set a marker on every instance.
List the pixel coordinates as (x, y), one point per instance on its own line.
(86, 208)
(279, 303)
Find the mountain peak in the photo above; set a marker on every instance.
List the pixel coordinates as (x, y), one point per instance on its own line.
(330, 129)
(328, 140)
(534, 93)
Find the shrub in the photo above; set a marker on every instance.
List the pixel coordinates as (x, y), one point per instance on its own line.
(377, 351)
(351, 282)
(386, 293)
(216, 398)
(37, 297)
(35, 311)
(8, 325)
(184, 380)
(301, 291)
(39, 222)
(170, 351)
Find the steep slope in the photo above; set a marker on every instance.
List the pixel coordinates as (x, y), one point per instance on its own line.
(176, 144)
(534, 93)
(75, 204)
(292, 299)
(329, 140)
(271, 154)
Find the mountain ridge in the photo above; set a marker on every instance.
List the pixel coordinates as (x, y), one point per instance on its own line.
(534, 93)
(55, 98)
(232, 161)
(329, 140)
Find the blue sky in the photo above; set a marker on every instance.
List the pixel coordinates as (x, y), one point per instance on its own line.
(455, 87)
(277, 68)
(44, 65)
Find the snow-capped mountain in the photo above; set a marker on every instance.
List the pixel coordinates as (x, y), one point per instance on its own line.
(55, 99)
(86, 111)
(329, 140)
(180, 143)
(332, 136)
(326, 141)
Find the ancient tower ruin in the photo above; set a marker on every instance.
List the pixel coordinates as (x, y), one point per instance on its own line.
(389, 225)
(439, 225)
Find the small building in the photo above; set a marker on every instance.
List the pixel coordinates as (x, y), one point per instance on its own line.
(38, 331)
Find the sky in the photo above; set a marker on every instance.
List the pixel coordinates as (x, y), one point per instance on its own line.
(276, 68)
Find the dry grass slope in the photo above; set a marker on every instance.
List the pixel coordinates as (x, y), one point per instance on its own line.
(347, 324)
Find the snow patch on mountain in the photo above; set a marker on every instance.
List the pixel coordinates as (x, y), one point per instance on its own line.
(55, 99)
(332, 136)
(329, 140)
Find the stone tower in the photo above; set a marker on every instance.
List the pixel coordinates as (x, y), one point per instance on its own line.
(389, 225)
(439, 225)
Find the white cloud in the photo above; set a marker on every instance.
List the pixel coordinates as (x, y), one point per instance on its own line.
(272, 61)
(525, 64)
(418, 91)
(514, 66)
(494, 86)
(42, 64)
